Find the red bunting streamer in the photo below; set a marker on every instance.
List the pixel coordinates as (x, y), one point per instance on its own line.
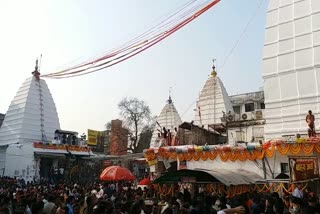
(139, 44)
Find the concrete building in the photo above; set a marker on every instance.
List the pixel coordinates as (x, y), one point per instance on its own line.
(291, 66)
(247, 122)
(119, 138)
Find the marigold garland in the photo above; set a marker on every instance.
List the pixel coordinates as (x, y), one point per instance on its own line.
(259, 153)
(242, 156)
(307, 148)
(188, 156)
(224, 156)
(173, 155)
(295, 148)
(317, 146)
(196, 156)
(270, 151)
(204, 155)
(283, 148)
(251, 156)
(180, 156)
(233, 156)
(213, 155)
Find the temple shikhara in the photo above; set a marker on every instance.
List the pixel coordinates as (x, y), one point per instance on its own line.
(30, 132)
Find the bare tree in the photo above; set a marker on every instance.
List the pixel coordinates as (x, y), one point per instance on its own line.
(108, 125)
(136, 115)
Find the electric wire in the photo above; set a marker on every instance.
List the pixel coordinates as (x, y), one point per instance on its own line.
(241, 35)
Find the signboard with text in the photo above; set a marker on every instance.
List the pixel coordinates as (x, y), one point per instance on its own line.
(96, 140)
(303, 168)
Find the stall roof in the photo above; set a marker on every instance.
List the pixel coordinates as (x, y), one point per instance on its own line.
(227, 177)
(234, 177)
(178, 176)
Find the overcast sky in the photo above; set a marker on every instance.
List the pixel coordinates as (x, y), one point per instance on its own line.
(70, 31)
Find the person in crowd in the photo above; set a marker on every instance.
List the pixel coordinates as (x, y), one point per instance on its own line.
(256, 209)
(278, 203)
(286, 202)
(50, 206)
(311, 206)
(297, 192)
(269, 209)
(39, 198)
(296, 205)
(70, 201)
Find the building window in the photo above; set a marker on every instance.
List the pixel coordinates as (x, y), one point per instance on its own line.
(284, 167)
(236, 109)
(249, 107)
(258, 132)
(239, 136)
(262, 105)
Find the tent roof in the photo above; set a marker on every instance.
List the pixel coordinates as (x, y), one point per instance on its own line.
(236, 177)
(178, 176)
(227, 177)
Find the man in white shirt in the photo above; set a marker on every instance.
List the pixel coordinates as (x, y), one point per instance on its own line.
(298, 191)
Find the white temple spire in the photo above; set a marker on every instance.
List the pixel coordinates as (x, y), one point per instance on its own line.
(213, 100)
(168, 118)
(32, 114)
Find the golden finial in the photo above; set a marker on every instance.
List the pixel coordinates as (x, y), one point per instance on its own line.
(213, 73)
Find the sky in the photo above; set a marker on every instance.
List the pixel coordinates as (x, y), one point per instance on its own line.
(69, 32)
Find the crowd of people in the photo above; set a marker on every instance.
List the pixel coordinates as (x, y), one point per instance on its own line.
(120, 198)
